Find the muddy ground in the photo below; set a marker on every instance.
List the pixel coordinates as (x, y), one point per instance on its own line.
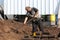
(12, 30)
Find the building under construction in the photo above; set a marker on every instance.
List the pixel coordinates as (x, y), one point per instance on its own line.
(14, 15)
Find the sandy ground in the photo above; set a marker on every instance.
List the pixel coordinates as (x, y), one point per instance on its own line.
(12, 30)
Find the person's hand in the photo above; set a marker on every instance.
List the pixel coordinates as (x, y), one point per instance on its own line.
(35, 16)
(24, 22)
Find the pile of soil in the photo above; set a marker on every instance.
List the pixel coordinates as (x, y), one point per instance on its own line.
(12, 30)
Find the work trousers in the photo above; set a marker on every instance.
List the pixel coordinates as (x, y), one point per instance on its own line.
(35, 24)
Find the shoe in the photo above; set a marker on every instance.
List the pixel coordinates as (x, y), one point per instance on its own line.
(34, 34)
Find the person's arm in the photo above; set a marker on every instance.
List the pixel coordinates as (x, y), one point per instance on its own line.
(25, 20)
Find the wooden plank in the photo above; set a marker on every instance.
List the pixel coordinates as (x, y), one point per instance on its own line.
(37, 39)
(26, 36)
(27, 39)
(44, 39)
(45, 36)
(48, 36)
(38, 33)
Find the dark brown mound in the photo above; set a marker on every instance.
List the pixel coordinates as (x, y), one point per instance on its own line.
(12, 30)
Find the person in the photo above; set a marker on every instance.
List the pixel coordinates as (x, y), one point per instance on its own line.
(2, 13)
(33, 13)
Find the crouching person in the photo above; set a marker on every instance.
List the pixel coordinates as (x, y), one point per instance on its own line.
(33, 13)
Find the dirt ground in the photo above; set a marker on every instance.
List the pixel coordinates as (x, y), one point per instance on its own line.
(12, 30)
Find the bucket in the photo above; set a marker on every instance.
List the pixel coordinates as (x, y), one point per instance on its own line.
(52, 19)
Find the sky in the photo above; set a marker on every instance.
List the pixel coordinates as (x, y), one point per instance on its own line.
(2, 2)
